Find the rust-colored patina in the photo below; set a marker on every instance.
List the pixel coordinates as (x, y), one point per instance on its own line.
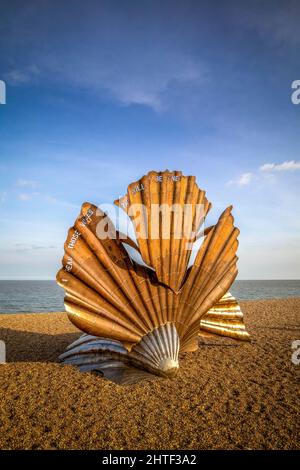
(145, 315)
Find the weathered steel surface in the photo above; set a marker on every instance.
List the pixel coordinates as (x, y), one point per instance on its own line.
(151, 315)
(225, 318)
(156, 354)
(162, 240)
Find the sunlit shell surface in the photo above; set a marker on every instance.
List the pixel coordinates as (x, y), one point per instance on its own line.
(138, 319)
(164, 243)
(225, 318)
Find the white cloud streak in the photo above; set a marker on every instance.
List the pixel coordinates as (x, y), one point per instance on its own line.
(268, 168)
(26, 183)
(291, 165)
(25, 197)
(145, 68)
(243, 180)
(28, 247)
(22, 76)
(53, 200)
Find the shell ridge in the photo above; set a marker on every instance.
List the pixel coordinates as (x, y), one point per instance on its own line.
(123, 287)
(198, 269)
(102, 307)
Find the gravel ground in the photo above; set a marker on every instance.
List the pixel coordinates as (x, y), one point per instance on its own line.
(227, 395)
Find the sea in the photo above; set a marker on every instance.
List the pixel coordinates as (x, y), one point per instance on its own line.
(47, 296)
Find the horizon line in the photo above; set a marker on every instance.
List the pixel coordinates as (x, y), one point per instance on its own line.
(54, 280)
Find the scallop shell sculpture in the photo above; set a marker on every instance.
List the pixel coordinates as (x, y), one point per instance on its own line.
(163, 243)
(137, 318)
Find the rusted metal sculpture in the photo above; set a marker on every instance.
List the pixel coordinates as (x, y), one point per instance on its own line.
(137, 319)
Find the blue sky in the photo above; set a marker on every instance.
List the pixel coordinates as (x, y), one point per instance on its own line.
(98, 93)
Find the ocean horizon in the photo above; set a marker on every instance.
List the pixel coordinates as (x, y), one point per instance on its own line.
(30, 296)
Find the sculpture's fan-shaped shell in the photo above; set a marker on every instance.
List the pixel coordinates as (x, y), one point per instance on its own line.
(106, 357)
(106, 294)
(225, 318)
(208, 279)
(167, 210)
(138, 321)
(157, 353)
(158, 350)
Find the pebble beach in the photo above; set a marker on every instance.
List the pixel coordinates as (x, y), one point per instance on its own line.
(227, 395)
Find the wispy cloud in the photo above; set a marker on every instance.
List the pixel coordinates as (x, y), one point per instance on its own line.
(28, 183)
(291, 165)
(22, 76)
(28, 196)
(130, 63)
(148, 81)
(267, 168)
(278, 25)
(53, 200)
(138, 87)
(25, 197)
(243, 180)
(29, 247)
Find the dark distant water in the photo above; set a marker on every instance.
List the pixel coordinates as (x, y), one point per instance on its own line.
(255, 290)
(46, 296)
